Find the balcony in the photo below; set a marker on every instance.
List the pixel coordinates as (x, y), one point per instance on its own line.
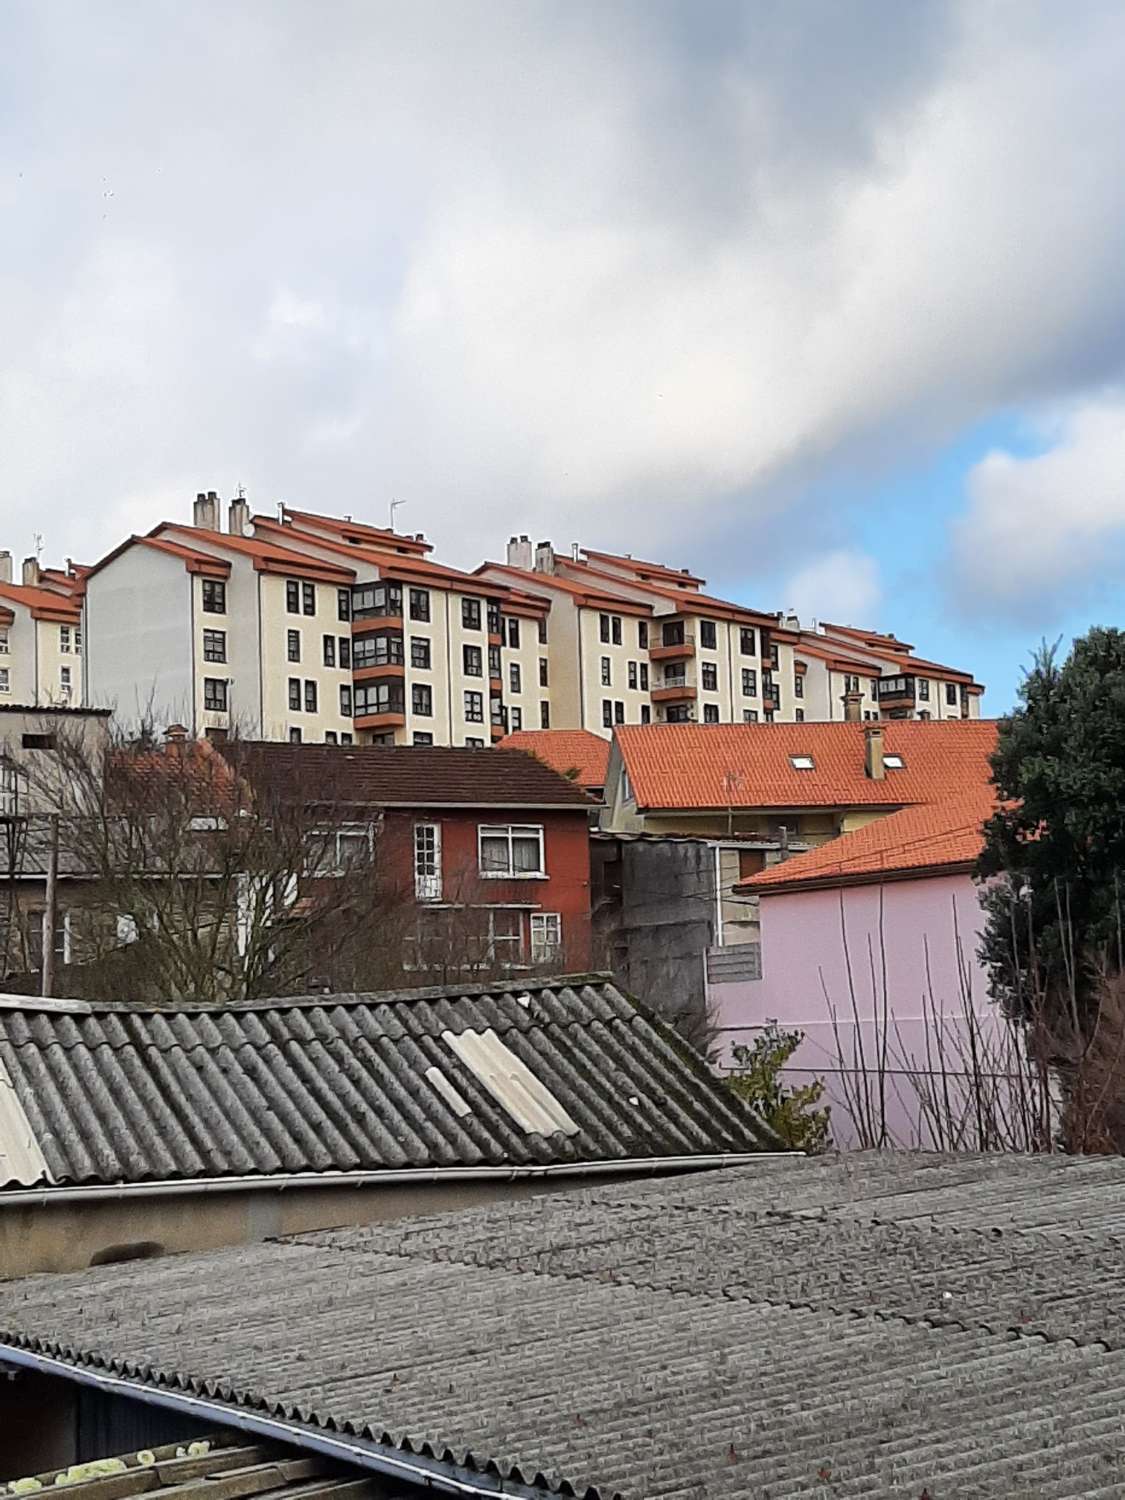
(675, 650)
(387, 719)
(368, 623)
(674, 690)
(893, 690)
(377, 671)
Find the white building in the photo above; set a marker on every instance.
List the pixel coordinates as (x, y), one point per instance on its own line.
(40, 636)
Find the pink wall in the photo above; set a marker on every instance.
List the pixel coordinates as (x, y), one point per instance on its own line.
(923, 935)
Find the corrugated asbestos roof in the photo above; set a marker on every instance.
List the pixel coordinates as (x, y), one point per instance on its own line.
(346, 1083)
(895, 1325)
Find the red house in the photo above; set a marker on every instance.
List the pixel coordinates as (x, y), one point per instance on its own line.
(490, 848)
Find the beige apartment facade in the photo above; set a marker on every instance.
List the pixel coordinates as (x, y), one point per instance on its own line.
(40, 636)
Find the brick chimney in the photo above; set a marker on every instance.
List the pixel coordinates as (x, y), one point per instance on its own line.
(238, 517)
(5, 567)
(544, 557)
(520, 554)
(206, 511)
(853, 706)
(31, 571)
(873, 753)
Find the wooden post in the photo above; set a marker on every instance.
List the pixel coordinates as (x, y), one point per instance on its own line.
(51, 914)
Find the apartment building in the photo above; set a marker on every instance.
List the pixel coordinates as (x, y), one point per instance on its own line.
(851, 673)
(40, 635)
(309, 628)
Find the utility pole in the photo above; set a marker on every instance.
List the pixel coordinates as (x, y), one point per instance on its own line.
(50, 915)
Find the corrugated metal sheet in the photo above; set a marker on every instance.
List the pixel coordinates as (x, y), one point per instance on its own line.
(21, 1160)
(892, 1326)
(343, 1083)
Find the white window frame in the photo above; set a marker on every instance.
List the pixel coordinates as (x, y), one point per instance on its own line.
(9, 788)
(345, 834)
(546, 937)
(5, 681)
(427, 862)
(64, 639)
(510, 832)
(5, 646)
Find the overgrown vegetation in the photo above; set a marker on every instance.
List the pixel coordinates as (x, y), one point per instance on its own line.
(792, 1112)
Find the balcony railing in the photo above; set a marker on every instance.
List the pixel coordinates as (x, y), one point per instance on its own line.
(670, 650)
(896, 688)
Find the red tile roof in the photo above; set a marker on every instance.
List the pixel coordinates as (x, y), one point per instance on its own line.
(941, 839)
(565, 750)
(381, 536)
(44, 604)
(648, 569)
(267, 557)
(871, 637)
(691, 600)
(713, 766)
(590, 597)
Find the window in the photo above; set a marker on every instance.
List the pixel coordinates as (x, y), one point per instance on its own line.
(474, 707)
(64, 682)
(422, 700)
(214, 645)
(214, 596)
(377, 698)
(678, 714)
(633, 676)
(607, 672)
(4, 647)
(295, 694)
(293, 645)
(419, 604)
(494, 668)
(710, 713)
(310, 697)
(64, 638)
(494, 621)
(345, 700)
(709, 676)
(642, 635)
(646, 714)
(330, 737)
(546, 937)
(874, 687)
(544, 715)
(420, 653)
(422, 737)
(427, 861)
(615, 629)
(345, 737)
(747, 641)
(607, 713)
(294, 735)
(293, 596)
(514, 675)
(542, 671)
(329, 650)
(215, 694)
(644, 676)
(77, 638)
(799, 715)
(541, 626)
(749, 682)
(514, 634)
(707, 635)
(515, 850)
(603, 628)
(619, 713)
(345, 650)
(749, 715)
(924, 689)
(951, 693)
(472, 660)
(470, 613)
(516, 716)
(377, 601)
(9, 788)
(893, 762)
(308, 598)
(343, 604)
(798, 687)
(376, 651)
(672, 634)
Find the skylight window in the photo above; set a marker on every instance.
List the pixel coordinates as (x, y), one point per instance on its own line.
(802, 763)
(893, 762)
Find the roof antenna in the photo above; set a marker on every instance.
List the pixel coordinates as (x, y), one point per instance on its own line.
(38, 540)
(394, 506)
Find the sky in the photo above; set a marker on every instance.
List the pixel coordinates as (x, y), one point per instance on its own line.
(823, 301)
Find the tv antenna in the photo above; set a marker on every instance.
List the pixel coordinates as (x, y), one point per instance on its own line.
(394, 506)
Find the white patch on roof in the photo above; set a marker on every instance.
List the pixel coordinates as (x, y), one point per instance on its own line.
(21, 1160)
(510, 1082)
(441, 1085)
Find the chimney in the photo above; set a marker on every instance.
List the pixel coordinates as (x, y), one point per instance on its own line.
(873, 753)
(30, 571)
(853, 707)
(175, 738)
(544, 557)
(5, 567)
(238, 517)
(520, 554)
(206, 511)
(574, 551)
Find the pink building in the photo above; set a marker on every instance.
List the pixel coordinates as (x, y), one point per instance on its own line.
(869, 947)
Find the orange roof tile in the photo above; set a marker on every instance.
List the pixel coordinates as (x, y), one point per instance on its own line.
(591, 598)
(718, 766)
(44, 604)
(871, 637)
(377, 535)
(689, 598)
(267, 557)
(917, 841)
(565, 750)
(636, 565)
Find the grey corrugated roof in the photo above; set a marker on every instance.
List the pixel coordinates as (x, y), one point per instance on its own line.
(339, 1083)
(838, 1328)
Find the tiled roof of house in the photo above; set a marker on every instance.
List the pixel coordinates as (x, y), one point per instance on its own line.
(916, 841)
(266, 556)
(637, 565)
(565, 751)
(382, 536)
(404, 775)
(353, 1083)
(751, 765)
(581, 593)
(885, 1325)
(44, 604)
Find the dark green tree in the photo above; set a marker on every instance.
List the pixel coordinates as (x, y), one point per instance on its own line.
(1055, 852)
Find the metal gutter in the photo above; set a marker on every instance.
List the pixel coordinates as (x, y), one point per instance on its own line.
(389, 1177)
(429, 1473)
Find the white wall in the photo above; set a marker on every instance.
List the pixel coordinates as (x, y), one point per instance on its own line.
(138, 637)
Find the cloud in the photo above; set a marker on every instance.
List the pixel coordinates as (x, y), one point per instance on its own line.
(1039, 529)
(842, 586)
(537, 266)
